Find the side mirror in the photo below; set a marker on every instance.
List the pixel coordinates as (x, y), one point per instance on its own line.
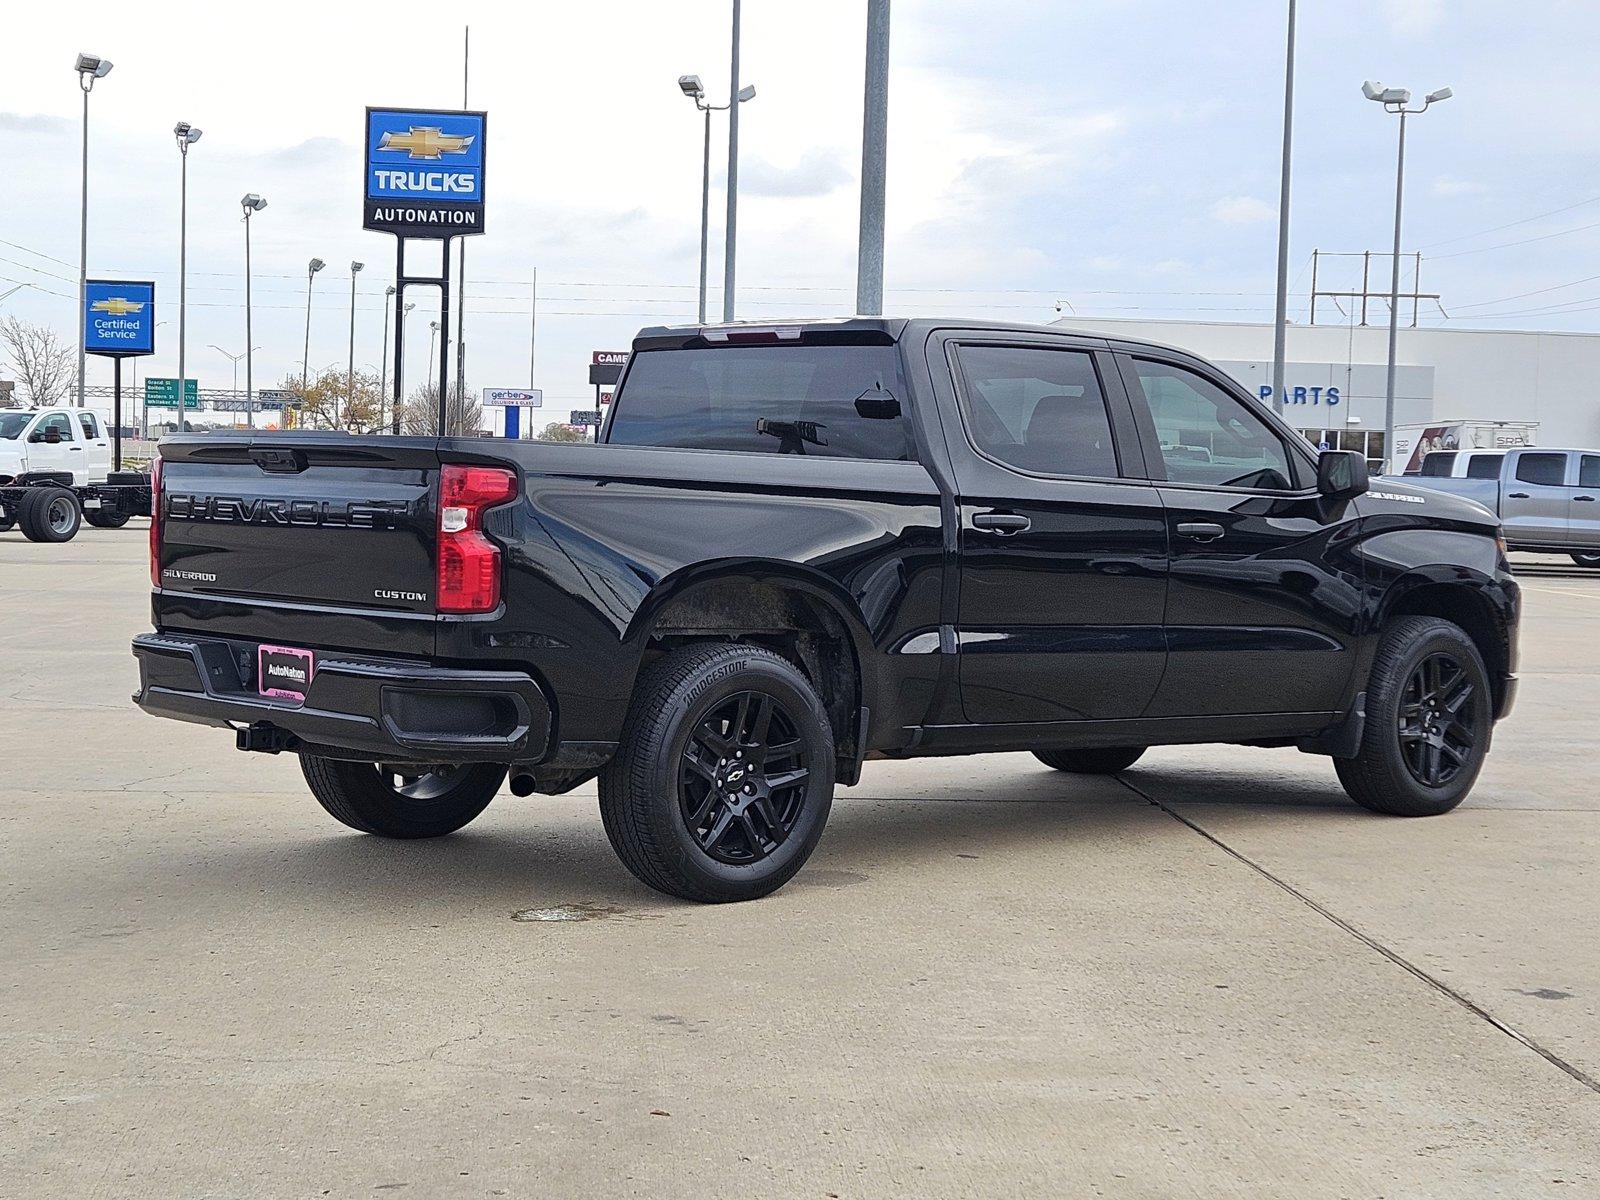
(875, 404)
(1341, 474)
(51, 436)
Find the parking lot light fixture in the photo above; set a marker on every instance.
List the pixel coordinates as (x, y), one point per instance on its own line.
(251, 203)
(186, 135)
(1395, 100)
(691, 87)
(312, 267)
(89, 67)
(350, 369)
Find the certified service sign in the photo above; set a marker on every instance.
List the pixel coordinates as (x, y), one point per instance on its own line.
(119, 318)
(424, 172)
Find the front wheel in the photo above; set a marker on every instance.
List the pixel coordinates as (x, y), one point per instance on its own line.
(1587, 560)
(724, 778)
(1429, 716)
(402, 801)
(1091, 762)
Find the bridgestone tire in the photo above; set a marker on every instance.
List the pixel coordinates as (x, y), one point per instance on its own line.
(364, 797)
(645, 789)
(1587, 560)
(1091, 762)
(50, 514)
(1378, 778)
(106, 518)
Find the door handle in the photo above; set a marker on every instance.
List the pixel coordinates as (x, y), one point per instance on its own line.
(1003, 523)
(1588, 498)
(75, 449)
(1201, 531)
(1516, 495)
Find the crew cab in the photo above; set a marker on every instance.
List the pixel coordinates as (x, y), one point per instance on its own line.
(804, 546)
(1547, 500)
(56, 471)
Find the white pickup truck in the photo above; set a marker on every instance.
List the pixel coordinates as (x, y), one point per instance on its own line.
(56, 472)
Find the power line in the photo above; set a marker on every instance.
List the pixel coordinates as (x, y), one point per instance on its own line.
(1543, 237)
(1556, 287)
(1509, 224)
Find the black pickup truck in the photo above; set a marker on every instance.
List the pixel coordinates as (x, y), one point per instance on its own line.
(805, 545)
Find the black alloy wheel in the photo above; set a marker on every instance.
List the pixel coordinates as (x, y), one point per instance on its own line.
(402, 800)
(1587, 560)
(742, 780)
(1438, 719)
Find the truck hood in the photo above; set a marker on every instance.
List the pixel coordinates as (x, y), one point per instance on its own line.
(1389, 494)
(10, 458)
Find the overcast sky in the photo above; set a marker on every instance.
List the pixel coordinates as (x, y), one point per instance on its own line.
(1118, 155)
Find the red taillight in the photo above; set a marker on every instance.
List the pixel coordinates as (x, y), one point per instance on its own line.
(155, 521)
(469, 563)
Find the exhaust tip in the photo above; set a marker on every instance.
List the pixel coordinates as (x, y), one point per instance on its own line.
(522, 784)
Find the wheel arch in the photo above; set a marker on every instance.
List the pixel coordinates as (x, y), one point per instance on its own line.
(802, 614)
(1464, 598)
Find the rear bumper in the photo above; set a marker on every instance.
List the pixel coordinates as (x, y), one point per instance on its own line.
(357, 706)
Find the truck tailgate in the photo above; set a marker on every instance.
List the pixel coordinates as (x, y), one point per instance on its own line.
(303, 539)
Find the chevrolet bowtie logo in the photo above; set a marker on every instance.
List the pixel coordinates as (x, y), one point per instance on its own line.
(117, 306)
(425, 141)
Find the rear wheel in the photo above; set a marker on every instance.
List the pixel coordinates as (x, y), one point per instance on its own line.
(1587, 560)
(724, 778)
(402, 801)
(1091, 762)
(50, 514)
(7, 520)
(106, 518)
(1429, 716)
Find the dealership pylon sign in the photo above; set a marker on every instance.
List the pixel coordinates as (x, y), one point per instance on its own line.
(424, 172)
(423, 178)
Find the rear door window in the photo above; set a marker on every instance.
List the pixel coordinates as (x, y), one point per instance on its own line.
(1589, 471)
(833, 401)
(1484, 466)
(1549, 470)
(1038, 409)
(86, 419)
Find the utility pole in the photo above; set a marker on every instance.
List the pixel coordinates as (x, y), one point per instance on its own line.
(874, 161)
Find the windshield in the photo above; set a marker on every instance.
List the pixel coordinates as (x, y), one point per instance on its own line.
(12, 424)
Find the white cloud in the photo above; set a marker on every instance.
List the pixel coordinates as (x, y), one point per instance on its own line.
(1243, 210)
(1413, 18)
(1447, 185)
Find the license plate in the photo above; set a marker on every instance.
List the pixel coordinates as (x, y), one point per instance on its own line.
(284, 672)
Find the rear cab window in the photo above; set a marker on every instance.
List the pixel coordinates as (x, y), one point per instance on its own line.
(1438, 464)
(831, 399)
(1485, 466)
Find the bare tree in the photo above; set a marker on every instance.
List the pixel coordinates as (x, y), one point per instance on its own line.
(41, 361)
(420, 416)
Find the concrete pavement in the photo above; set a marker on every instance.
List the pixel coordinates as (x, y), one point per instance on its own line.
(1214, 977)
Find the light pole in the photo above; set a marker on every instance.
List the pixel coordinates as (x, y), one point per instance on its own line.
(1280, 332)
(251, 203)
(89, 68)
(312, 267)
(874, 161)
(695, 90)
(187, 135)
(234, 359)
(433, 334)
(383, 358)
(731, 230)
(350, 369)
(1395, 100)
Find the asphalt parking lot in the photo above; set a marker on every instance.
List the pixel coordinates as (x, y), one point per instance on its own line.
(1214, 976)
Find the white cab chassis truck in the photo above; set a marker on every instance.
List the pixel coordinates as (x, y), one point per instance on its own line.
(55, 473)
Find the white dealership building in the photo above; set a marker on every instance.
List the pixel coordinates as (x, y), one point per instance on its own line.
(1334, 375)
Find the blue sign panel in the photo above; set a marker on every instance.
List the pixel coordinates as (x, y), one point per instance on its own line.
(424, 172)
(119, 318)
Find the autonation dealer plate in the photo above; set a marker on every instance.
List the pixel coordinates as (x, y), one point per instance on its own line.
(284, 672)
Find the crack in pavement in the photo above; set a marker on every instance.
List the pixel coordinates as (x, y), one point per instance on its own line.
(1393, 956)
